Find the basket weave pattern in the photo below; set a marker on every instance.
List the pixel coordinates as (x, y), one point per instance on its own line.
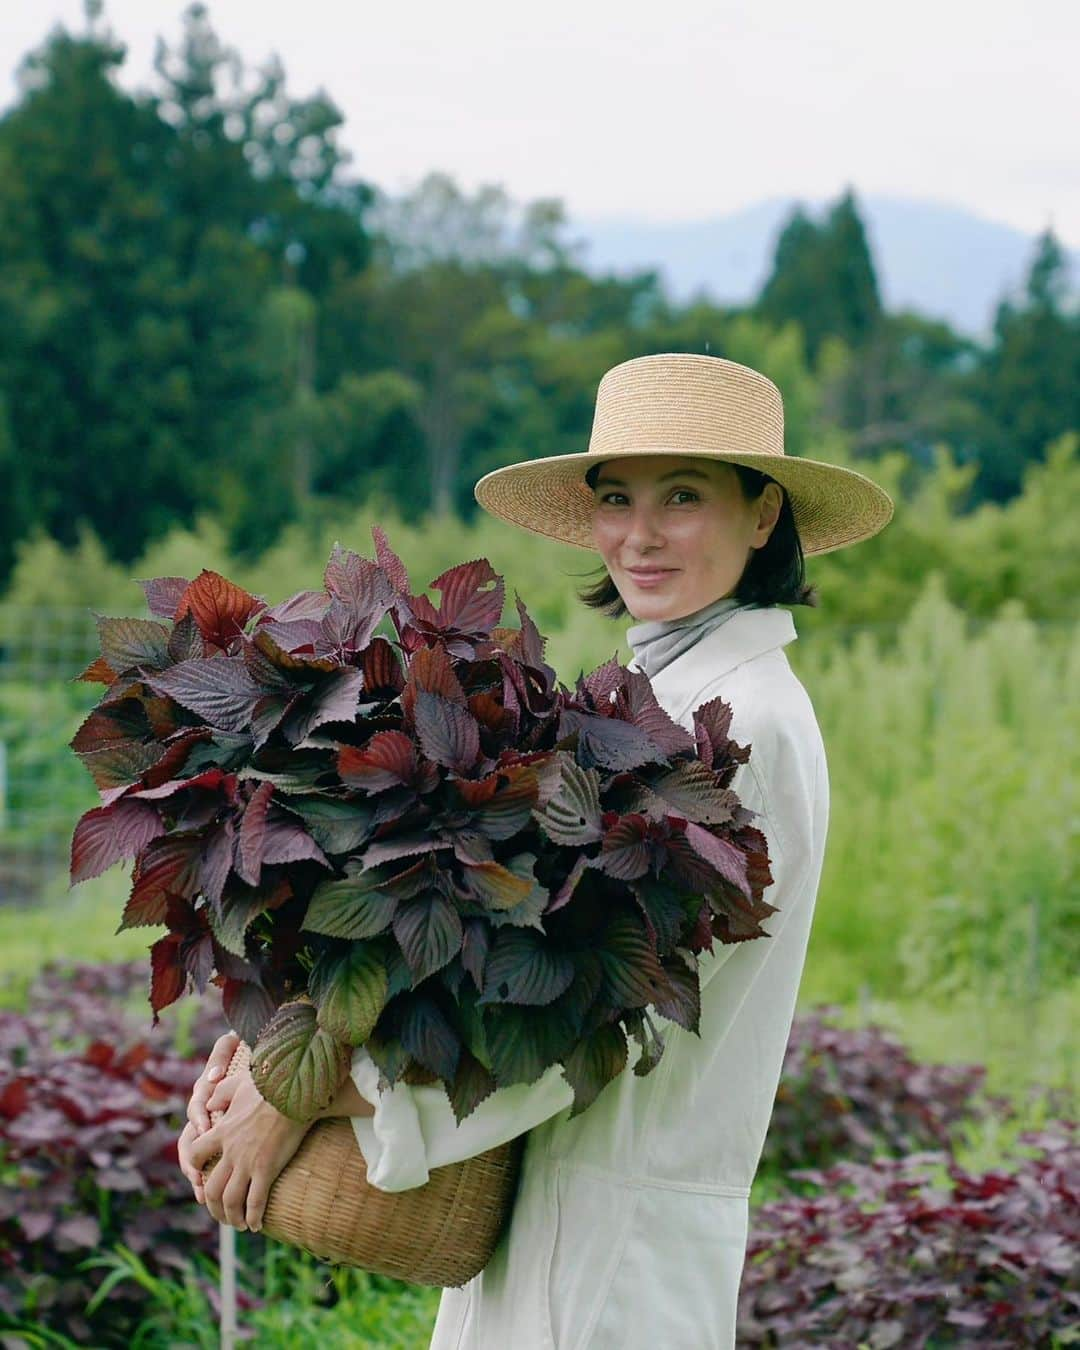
(442, 1233)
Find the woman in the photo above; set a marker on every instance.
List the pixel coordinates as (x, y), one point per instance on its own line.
(630, 1224)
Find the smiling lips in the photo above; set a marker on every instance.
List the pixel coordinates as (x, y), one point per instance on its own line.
(651, 576)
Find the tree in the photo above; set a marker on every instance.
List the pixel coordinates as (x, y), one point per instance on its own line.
(1028, 386)
(823, 278)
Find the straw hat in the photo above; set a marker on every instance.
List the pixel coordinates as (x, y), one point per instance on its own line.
(684, 403)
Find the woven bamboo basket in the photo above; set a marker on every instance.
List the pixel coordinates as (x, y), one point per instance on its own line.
(442, 1233)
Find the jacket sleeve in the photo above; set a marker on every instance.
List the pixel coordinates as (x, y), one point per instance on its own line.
(414, 1130)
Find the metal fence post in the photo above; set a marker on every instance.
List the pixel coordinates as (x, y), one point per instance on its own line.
(227, 1287)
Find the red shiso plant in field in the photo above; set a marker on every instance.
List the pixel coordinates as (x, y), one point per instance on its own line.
(424, 845)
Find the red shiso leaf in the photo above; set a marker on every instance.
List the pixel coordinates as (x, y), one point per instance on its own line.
(387, 760)
(624, 850)
(217, 856)
(122, 721)
(166, 865)
(432, 671)
(272, 639)
(464, 606)
(252, 832)
(302, 605)
(168, 977)
(382, 669)
(175, 756)
(163, 594)
(491, 714)
(219, 607)
(448, 733)
(729, 861)
(208, 778)
(286, 841)
(107, 834)
(337, 700)
(98, 672)
(219, 689)
(389, 561)
(185, 641)
(712, 723)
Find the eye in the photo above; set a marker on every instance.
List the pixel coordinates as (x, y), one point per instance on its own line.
(689, 492)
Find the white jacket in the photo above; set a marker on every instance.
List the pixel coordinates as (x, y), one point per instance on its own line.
(630, 1225)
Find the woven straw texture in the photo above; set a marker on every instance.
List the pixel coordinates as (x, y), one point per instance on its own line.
(442, 1233)
(683, 403)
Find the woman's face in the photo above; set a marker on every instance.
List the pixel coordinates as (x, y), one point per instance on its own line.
(685, 515)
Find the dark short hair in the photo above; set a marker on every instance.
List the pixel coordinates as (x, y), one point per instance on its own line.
(775, 575)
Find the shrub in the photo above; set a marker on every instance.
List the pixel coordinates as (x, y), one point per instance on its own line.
(882, 1256)
(88, 1152)
(853, 1093)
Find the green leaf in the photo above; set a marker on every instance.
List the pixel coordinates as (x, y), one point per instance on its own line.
(526, 913)
(351, 907)
(296, 1064)
(429, 1037)
(523, 967)
(683, 1003)
(336, 826)
(496, 886)
(350, 988)
(668, 908)
(593, 1063)
(632, 973)
(133, 642)
(472, 1083)
(429, 932)
(572, 814)
(230, 920)
(525, 1041)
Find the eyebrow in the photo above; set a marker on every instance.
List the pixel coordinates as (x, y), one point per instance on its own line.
(673, 473)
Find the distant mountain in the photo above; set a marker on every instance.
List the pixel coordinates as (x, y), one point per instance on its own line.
(942, 261)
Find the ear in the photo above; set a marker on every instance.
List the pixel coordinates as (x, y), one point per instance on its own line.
(768, 513)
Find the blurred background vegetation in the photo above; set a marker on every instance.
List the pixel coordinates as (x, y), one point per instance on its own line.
(221, 349)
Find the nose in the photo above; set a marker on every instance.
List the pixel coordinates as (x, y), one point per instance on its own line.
(642, 528)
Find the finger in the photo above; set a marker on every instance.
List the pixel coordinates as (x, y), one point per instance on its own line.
(258, 1193)
(217, 1062)
(215, 1185)
(183, 1147)
(188, 1168)
(234, 1199)
(223, 1094)
(205, 1147)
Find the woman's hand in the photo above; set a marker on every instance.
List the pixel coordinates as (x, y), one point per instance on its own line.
(208, 1082)
(255, 1142)
(216, 1063)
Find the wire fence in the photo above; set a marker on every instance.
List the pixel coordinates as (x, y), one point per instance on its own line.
(43, 788)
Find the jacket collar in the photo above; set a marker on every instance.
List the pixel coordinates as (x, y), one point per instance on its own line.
(746, 634)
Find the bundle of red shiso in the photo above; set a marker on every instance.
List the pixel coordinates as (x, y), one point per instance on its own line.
(420, 844)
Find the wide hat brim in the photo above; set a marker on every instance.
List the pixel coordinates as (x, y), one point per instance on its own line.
(686, 404)
(833, 507)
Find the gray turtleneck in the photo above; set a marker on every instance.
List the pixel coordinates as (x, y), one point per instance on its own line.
(657, 642)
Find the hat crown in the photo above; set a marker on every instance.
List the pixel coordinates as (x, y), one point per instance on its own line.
(685, 401)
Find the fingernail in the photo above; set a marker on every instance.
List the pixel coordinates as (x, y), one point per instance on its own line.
(215, 1072)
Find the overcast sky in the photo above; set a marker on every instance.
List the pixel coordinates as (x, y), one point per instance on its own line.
(674, 111)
